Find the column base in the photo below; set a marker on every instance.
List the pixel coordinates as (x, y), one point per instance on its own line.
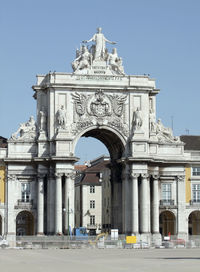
(157, 239)
(182, 235)
(11, 238)
(145, 237)
(40, 234)
(59, 234)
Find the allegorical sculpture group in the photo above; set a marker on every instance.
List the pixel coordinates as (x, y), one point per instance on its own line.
(87, 56)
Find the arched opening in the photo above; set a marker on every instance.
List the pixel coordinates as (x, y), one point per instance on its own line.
(194, 223)
(0, 225)
(115, 146)
(167, 223)
(24, 224)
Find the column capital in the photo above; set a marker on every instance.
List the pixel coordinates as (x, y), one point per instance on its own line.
(145, 175)
(58, 175)
(155, 176)
(134, 175)
(71, 175)
(12, 177)
(40, 176)
(181, 178)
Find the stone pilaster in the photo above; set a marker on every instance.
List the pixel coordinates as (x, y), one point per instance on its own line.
(135, 215)
(58, 204)
(51, 202)
(126, 201)
(40, 205)
(155, 206)
(144, 204)
(181, 217)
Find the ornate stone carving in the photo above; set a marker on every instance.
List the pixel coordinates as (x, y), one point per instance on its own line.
(135, 175)
(165, 134)
(137, 119)
(100, 105)
(83, 59)
(155, 176)
(12, 177)
(26, 131)
(61, 118)
(115, 62)
(96, 59)
(58, 175)
(71, 175)
(117, 124)
(145, 175)
(99, 109)
(118, 103)
(79, 100)
(181, 178)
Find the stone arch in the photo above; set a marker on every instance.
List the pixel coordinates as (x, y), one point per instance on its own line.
(167, 223)
(116, 145)
(24, 223)
(194, 223)
(113, 140)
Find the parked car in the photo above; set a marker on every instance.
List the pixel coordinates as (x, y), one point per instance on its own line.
(3, 242)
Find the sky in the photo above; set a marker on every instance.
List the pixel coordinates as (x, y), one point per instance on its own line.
(156, 37)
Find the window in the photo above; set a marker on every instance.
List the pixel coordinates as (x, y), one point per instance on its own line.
(196, 171)
(196, 192)
(92, 189)
(25, 192)
(92, 219)
(166, 192)
(92, 204)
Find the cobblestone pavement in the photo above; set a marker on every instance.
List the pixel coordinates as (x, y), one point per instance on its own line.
(104, 260)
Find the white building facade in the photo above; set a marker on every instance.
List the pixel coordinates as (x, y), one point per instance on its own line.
(99, 100)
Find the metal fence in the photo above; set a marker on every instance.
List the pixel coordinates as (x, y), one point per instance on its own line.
(70, 242)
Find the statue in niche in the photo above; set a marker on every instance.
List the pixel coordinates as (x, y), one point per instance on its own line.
(26, 130)
(61, 117)
(43, 119)
(83, 59)
(137, 119)
(100, 44)
(115, 62)
(152, 121)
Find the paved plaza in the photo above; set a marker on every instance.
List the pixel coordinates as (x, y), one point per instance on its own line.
(104, 260)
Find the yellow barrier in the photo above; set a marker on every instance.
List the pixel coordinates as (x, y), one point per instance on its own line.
(131, 239)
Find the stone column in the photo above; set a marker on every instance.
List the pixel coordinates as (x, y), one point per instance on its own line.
(155, 206)
(135, 215)
(40, 205)
(66, 201)
(182, 226)
(144, 204)
(126, 201)
(69, 202)
(58, 204)
(51, 202)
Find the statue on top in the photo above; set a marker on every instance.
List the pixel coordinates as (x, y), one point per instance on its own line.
(97, 55)
(100, 47)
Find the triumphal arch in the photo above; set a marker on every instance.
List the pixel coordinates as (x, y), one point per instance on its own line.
(98, 100)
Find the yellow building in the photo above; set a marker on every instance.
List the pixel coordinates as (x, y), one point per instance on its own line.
(3, 146)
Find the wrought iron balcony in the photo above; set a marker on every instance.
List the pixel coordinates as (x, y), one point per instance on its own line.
(195, 202)
(167, 202)
(21, 204)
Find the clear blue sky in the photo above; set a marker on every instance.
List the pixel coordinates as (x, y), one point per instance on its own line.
(156, 37)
